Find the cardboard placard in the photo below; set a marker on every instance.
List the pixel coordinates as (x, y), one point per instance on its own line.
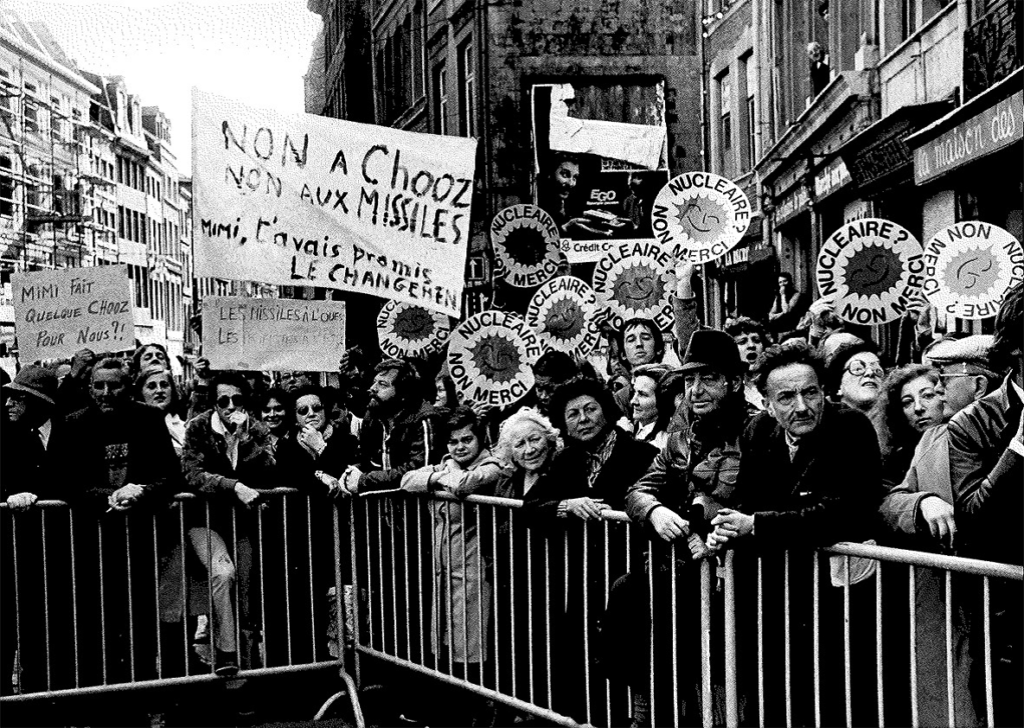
(312, 201)
(491, 356)
(633, 280)
(58, 312)
(406, 330)
(525, 241)
(563, 312)
(969, 267)
(874, 267)
(260, 334)
(700, 216)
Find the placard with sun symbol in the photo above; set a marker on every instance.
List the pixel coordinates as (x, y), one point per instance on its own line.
(525, 239)
(874, 268)
(700, 216)
(969, 268)
(490, 357)
(563, 313)
(407, 330)
(635, 286)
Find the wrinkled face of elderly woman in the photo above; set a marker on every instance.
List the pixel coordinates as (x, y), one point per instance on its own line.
(862, 380)
(585, 420)
(531, 446)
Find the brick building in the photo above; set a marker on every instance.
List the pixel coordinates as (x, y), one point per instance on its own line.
(496, 70)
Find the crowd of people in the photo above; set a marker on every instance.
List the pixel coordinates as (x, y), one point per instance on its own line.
(748, 444)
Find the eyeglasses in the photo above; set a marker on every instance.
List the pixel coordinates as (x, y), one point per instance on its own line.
(304, 410)
(235, 399)
(858, 368)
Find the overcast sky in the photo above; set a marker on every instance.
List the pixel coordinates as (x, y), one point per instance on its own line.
(256, 52)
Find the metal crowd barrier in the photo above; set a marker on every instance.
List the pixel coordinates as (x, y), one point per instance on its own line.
(91, 600)
(788, 638)
(537, 617)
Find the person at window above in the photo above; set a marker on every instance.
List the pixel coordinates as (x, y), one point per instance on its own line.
(751, 338)
(790, 304)
(820, 72)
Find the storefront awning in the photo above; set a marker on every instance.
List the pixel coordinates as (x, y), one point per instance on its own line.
(880, 155)
(987, 123)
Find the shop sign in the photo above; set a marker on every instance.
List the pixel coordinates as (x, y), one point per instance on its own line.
(993, 129)
(831, 178)
(791, 205)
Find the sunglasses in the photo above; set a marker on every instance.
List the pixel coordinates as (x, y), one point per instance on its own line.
(235, 399)
(304, 410)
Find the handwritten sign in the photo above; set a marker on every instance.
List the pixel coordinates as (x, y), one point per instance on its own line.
(404, 330)
(874, 268)
(490, 357)
(969, 267)
(700, 216)
(633, 281)
(563, 312)
(525, 241)
(252, 334)
(58, 312)
(311, 201)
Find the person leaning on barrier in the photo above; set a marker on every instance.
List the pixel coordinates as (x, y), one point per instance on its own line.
(155, 386)
(810, 476)
(398, 433)
(986, 464)
(225, 447)
(25, 475)
(116, 466)
(461, 570)
(314, 453)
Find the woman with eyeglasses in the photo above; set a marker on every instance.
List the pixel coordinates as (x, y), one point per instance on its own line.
(311, 457)
(226, 456)
(855, 375)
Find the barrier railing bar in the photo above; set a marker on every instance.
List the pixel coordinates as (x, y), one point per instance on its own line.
(465, 590)
(74, 595)
(785, 592)
(705, 642)
(448, 586)
(184, 589)
(103, 603)
(494, 596)
(650, 656)
(17, 592)
(389, 510)
(847, 674)
(547, 621)
(760, 643)
(407, 569)
(731, 708)
(512, 596)
(287, 579)
(816, 579)
(312, 590)
(131, 601)
(949, 650)
(236, 587)
(419, 571)
(548, 715)
(586, 619)
(263, 601)
(529, 616)
(879, 683)
(339, 588)
(211, 616)
(369, 571)
(156, 612)
(987, 623)
(354, 562)
(481, 625)
(913, 647)
(674, 616)
(607, 682)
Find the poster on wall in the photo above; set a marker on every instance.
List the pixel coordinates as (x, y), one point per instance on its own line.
(405, 330)
(491, 356)
(600, 157)
(700, 216)
(525, 241)
(306, 200)
(563, 312)
(263, 334)
(634, 280)
(969, 267)
(58, 312)
(874, 268)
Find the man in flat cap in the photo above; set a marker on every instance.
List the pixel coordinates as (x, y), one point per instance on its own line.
(986, 466)
(964, 367)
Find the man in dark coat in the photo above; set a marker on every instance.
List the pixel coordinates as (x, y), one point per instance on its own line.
(810, 476)
(29, 405)
(116, 466)
(986, 465)
(400, 432)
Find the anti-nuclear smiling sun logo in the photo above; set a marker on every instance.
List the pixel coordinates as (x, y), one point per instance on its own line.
(873, 271)
(638, 287)
(496, 358)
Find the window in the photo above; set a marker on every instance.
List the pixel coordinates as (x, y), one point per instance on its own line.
(441, 99)
(725, 120)
(751, 139)
(418, 64)
(32, 190)
(56, 122)
(31, 115)
(6, 186)
(467, 90)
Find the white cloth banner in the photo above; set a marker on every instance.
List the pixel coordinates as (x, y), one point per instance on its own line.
(638, 144)
(310, 201)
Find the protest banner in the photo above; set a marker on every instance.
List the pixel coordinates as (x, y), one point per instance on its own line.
(874, 268)
(259, 334)
(525, 242)
(700, 216)
(633, 280)
(491, 356)
(406, 330)
(563, 312)
(969, 267)
(307, 200)
(58, 312)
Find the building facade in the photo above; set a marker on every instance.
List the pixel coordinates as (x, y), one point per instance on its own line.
(836, 110)
(500, 72)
